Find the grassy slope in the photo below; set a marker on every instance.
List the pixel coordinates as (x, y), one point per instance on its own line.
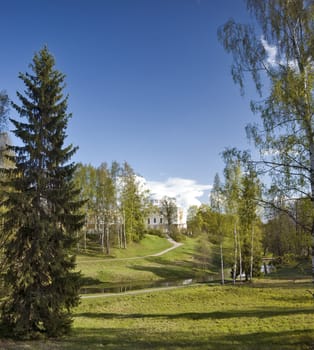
(268, 314)
(150, 244)
(177, 264)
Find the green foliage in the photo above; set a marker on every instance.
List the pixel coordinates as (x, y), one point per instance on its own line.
(194, 221)
(117, 205)
(201, 221)
(246, 262)
(134, 203)
(42, 218)
(155, 232)
(242, 193)
(284, 235)
(203, 252)
(285, 138)
(168, 208)
(176, 234)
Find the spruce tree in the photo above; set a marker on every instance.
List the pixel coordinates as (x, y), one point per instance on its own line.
(42, 204)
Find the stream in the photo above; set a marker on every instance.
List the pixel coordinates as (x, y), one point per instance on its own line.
(126, 287)
(139, 285)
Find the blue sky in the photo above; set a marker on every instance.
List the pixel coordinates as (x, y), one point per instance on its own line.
(148, 81)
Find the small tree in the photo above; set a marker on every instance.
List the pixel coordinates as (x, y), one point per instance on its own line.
(84, 178)
(248, 217)
(232, 172)
(194, 221)
(105, 204)
(216, 204)
(134, 204)
(168, 208)
(41, 220)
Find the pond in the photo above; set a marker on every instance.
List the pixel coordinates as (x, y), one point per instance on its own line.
(126, 287)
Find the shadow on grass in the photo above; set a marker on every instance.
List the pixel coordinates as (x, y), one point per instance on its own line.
(219, 315)
(128, 339)
(120, 339)
(172, 270)
(294, 272)
(163, 260)
(143, 338)
(168, 272)
(89, 281)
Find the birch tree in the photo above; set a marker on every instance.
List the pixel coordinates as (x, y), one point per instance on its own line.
(216, 204)
(105, 204)
(277, 52)
(232, 172)
(248, 220)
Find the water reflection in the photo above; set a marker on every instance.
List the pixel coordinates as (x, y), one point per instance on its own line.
(122, 288)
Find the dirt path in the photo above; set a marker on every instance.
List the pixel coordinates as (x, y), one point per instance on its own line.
(135, 292)
(174, 246)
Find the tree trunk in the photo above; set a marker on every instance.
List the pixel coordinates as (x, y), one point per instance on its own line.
(265, 269)
(252, 252)
(107, 240)
(312, 199)
(240, 257)
(119, 236)
(235, 254)
(124, 233)
(103, 240)
(124, 239)
(222, 265)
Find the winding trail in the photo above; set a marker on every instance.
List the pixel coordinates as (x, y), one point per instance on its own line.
(140, 291)
(174, 246)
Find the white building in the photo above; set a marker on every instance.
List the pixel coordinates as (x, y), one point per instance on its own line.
(157, 220)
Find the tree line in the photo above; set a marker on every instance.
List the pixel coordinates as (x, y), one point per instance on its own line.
(116, 204)
(244, 230)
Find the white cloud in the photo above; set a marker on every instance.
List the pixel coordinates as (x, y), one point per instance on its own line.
(185, 191)
(271, 52)
(272, 56)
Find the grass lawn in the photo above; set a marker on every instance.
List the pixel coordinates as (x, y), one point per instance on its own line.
(276, 312)
(258, 316)
(242, 317)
